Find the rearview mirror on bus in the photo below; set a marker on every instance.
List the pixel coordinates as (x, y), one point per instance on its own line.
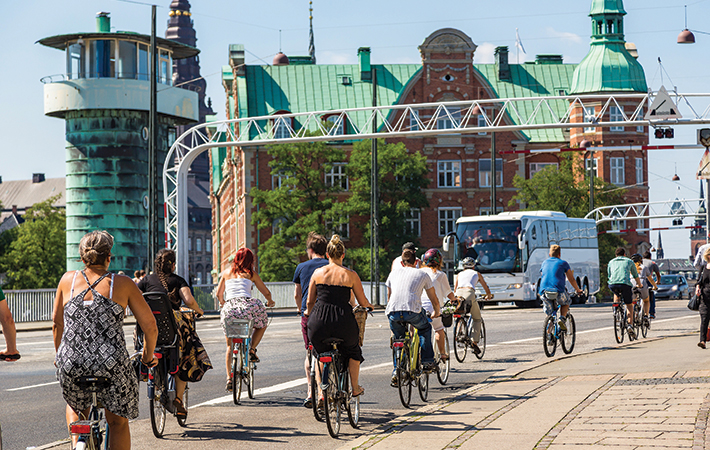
(521, 240)
(445, 244)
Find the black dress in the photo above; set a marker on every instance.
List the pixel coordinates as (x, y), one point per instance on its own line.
(332, 317)
(704, 284)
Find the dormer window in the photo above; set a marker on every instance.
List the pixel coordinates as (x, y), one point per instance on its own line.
(334, 124)
(282, 126)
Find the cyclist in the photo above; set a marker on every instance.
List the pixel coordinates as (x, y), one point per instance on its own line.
(646, 280)
(653, 267)
(465, 288)
(432, 261)
(620, 271)
(315, 249)
(404, 306)
(397, 262)
(554, 270)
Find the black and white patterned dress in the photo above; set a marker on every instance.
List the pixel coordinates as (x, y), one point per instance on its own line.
(93, 344)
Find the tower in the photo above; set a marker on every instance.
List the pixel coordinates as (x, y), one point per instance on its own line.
(698, 234)
(104, 98)
(659, 248)
(311, 40)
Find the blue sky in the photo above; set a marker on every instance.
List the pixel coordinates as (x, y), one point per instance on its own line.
(393, 29)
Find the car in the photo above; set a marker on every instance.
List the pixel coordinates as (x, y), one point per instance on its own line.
(672, 286)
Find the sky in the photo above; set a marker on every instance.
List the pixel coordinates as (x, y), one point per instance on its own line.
(393, 29)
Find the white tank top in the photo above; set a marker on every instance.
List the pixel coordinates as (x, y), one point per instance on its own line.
(467, 278)
(237, 287)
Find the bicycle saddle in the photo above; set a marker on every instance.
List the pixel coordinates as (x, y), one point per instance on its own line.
(333, 340)
(93, 382)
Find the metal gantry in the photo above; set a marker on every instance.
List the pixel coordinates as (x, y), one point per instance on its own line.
(675, 209)
(420, 119)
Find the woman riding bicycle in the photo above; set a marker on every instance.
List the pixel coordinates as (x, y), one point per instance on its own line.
(194, 361)
(465, 287)
(234, 295)
(89, 308)
(329, 312)
(432, 261)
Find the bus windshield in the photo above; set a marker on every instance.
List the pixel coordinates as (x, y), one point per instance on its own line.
(492, 243)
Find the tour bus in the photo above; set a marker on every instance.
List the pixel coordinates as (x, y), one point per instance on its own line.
(509, 249)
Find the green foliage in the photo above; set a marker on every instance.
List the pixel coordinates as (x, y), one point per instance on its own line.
(36, 257)
(302, 204)
(608, 243)
(402, 179)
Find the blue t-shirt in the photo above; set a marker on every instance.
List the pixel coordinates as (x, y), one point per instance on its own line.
(303, 275)
(553, 275)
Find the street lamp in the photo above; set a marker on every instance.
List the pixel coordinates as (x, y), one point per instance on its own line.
(686, 36)
(585, 144)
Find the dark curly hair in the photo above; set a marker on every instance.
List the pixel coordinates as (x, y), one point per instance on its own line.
(164, 261)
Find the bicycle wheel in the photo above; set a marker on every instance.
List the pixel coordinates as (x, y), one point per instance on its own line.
(619, 325)
(637, 319)
(549, 341)
(250, 379)
(352, 404)
(331, 403)
(157, 409)
(104, 445)
(442, 372)
(80, 444)
(482, 340)
(404, 384)
(236, 379)
(645, 325)
(317, 412)
(182, 421)
(460, 339)
(423, 385)
(570, 336)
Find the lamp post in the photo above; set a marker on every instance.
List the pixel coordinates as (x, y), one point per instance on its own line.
(585, 144)
(686, 36)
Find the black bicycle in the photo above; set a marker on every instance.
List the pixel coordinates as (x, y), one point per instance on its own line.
(463, 332)
(620, 321)
(93, 432)
(641, 321)
(337, 389)
(314, 377)
(553, 332)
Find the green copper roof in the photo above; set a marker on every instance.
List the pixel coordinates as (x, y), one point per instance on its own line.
(608, 68)
(607, 7)
(534, 80)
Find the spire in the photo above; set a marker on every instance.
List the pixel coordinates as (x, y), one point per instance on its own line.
(311, 44)
(659, 247)
(702, 195)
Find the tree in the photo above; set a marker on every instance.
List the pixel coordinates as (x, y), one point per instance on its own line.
(37, 256)
(402, 179)
(302, 202)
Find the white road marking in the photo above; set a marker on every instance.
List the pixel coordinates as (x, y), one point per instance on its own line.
(30, 387)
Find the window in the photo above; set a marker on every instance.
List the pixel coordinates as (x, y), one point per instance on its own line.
(101, 58)
(342, 229)
(75, 61)
(189, 244)
(484, 172)
(198, 244)
(447, 219)
(126, 60)
(486, 210)
(413, 222)
(449, 174)
(143, 63)
(278, 180)
(444, 120)
(537, 167)
(618, 225)
(337, 177)
(593, 163)
(277, 226)
(335, 125)
(639, 170)
(208, 245)
(640, 224)
(640, 128)
(482, 123)
(198, 278)
(281, 128)
(589, 117)
(165, 68)
(617, 171)
(616, 115)
(414, 120)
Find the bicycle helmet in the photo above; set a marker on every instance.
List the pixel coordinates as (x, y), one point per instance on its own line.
(468, 263)
(636, 257)
(432, 257)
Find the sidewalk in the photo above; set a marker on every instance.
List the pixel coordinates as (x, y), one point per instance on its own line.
(649, 394)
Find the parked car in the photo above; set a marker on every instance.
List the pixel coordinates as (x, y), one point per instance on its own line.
(672, 286)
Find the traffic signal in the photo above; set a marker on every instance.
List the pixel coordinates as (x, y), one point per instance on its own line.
(664, 133)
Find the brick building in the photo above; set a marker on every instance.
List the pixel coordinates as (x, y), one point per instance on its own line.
(459, 164)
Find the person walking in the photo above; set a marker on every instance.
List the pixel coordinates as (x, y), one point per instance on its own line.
(702, 290)
(88, 315)
(8, 331)
(315, 249)
(620, 271)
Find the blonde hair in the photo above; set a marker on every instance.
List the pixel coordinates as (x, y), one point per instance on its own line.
(336, 248)
(95, 247)
(706, 255)
(555, 250)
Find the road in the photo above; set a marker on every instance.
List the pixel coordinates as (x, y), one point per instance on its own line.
(32, 412)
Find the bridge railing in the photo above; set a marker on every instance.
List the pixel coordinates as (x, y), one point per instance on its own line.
(35, 305)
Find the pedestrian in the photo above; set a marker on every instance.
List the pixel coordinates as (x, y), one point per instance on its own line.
(699, 256)
(236, 301)
(702, 290)
(89, 339)
(397, 262)
(315, 249)
(136, 276)
(653, 267)
(8, 330)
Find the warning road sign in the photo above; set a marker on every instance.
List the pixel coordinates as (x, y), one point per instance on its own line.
(663, 107)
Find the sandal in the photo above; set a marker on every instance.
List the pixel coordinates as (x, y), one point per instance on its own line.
(361, 391)
(252, 355)
(9, 356)
(180, 410)
(443, 356)
(229, 385)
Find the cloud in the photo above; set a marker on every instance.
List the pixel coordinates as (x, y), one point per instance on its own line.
(484, 53)
(564, 35)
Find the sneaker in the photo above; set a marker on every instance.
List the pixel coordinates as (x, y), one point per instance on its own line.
(562, 324)
(630, 331)
(431, 367)
(652, 316)
(476, 348)
(394, 382)
(229, 386)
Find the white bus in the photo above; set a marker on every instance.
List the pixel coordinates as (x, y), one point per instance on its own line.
(509, 249)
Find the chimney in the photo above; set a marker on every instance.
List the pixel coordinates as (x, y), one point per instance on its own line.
(37, 177)
(14, 210)
(502, 67)
(363, 55)
(103, 22)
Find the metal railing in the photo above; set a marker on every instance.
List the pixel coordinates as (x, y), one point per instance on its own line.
(35, 305)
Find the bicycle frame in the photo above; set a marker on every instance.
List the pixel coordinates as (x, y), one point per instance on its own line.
(415, 343)
(89, 430)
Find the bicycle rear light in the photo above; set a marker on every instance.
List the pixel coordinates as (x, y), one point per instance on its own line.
(157, 355)
(326, 359)
(398, 345)
(80, 428)
(238, 341)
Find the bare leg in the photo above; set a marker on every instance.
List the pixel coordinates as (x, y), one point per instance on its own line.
(354, 369)
(256, 336)
(308, 375)
(228, 358)
(440, 338)
(646, 305)
(119, 434)
(8, 329)
(630, 310)
(564, 310)
(179, 387)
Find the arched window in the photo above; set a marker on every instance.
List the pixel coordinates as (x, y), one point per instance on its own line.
(335, 124)
(282, 126)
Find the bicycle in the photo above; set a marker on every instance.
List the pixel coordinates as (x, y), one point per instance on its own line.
(337, 389)
(313, 363)
(620, 320)
(641, 321)
(552, 332)
(94, 431)
(443, 365)
(239, 331)
(409, 368)
(463, 330)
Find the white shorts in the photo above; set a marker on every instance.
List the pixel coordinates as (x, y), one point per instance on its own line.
(437, 324)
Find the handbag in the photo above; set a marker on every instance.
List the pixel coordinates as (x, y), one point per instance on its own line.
(694, 303)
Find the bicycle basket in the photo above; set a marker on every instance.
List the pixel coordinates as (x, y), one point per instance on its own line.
(447, 319)
(238, 328)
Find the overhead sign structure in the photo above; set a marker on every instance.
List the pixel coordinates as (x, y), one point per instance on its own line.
(663, 108)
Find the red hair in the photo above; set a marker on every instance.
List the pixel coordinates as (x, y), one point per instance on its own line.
(243, 262)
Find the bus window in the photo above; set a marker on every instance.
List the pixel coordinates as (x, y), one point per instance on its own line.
(551, 233)
(576, 231)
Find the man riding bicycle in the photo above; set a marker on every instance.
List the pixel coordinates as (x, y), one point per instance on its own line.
(620, 270)
(404, 306)
(554, 270)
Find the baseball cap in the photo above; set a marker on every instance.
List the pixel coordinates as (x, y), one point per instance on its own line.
(409, 246)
